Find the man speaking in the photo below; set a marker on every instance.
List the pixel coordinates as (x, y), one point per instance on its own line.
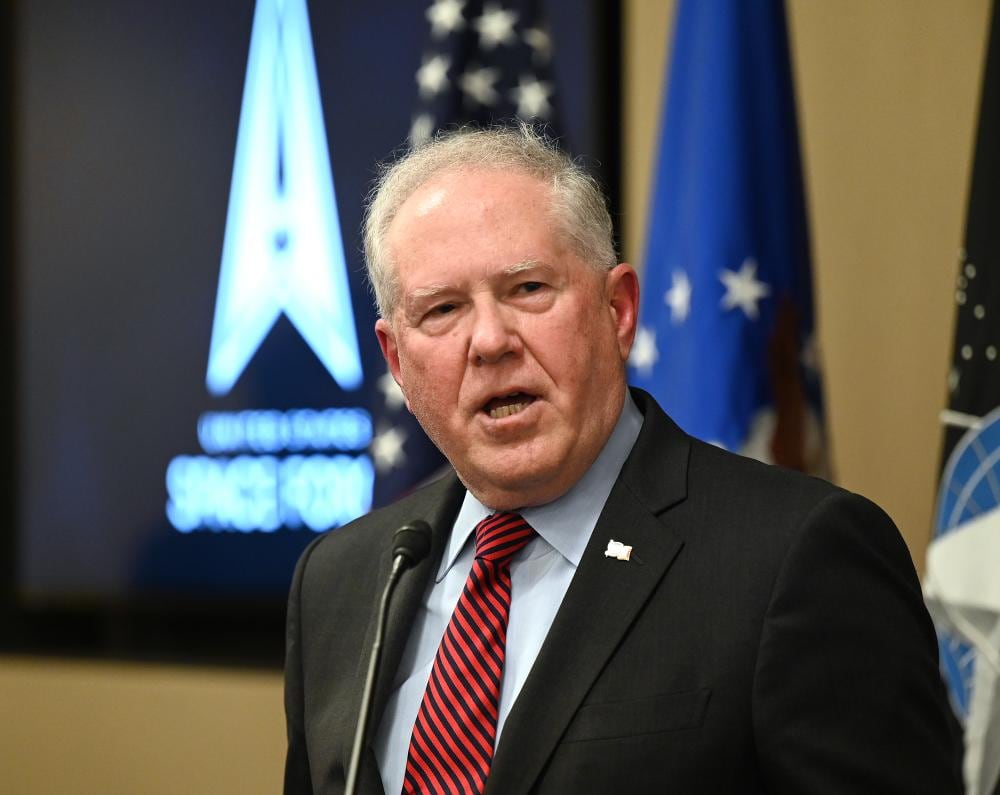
(609, 605)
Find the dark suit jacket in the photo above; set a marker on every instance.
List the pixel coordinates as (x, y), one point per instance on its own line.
(768, 635)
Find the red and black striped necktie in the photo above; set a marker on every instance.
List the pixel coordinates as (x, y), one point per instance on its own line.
(455, 732)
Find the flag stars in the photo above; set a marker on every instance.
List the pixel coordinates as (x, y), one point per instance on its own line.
(644, 353)
(970, 271)
(390, 390)
(495, 26)
(479, 85)
(991, 353)
(432, 76)
(979, 311)
(387, 448)
(743, 289)
(421, 129)
(809, 357)
(541, 44)
(532, 98)
(966, 352)
(953, 378)
(678, 297)
(445, 17)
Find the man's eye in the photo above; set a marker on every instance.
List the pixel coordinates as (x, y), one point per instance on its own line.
(530, 287)
(442, 309)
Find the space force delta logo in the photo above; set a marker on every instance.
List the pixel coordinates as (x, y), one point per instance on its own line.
(282, 254)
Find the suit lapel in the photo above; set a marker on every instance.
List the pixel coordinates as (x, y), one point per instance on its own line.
(438, 509)
(601, 603)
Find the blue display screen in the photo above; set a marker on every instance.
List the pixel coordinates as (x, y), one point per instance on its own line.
(199, 390)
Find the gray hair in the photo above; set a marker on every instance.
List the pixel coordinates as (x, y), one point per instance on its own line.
(577, 199)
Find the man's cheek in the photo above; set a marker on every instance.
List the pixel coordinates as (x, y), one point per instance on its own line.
(412, 367)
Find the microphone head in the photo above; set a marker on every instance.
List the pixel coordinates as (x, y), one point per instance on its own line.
(412, 541)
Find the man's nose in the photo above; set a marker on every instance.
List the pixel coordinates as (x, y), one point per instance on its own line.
(494, 335)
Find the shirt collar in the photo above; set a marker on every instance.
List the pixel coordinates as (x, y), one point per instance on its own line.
(566, 523)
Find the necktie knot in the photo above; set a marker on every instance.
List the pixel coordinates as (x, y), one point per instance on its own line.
(501, 536)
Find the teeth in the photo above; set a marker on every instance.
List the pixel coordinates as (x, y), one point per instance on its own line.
(506, 411)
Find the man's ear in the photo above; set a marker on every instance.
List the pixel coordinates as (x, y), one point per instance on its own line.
(622, 287)
(387, 342)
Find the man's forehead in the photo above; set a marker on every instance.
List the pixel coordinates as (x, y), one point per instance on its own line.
(470, 184)
(427, 198)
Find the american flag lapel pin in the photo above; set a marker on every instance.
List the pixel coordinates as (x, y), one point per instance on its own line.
(618, 550)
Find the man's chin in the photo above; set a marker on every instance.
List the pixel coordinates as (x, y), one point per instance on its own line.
(508, 487)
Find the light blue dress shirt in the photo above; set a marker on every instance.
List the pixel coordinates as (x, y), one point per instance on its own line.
(540, 575)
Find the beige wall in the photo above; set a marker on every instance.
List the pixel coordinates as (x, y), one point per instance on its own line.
(887, 93)
(91, 728)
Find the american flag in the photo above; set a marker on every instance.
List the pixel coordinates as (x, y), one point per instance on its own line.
(484, 63)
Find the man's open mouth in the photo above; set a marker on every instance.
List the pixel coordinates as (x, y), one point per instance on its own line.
(506, 406)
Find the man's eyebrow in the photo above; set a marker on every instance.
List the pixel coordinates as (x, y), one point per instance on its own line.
(431, 291)
(421, 295)
(424, 295)
(521, 267)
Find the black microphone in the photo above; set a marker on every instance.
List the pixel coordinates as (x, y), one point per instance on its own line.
(412, 542)
(410, 545)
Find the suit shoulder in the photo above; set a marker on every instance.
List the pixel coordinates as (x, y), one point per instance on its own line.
(722, 471)
(777, 501)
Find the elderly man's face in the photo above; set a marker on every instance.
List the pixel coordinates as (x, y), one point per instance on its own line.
(508, 347)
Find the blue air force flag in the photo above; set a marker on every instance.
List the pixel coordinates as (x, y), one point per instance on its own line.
(725, 341)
